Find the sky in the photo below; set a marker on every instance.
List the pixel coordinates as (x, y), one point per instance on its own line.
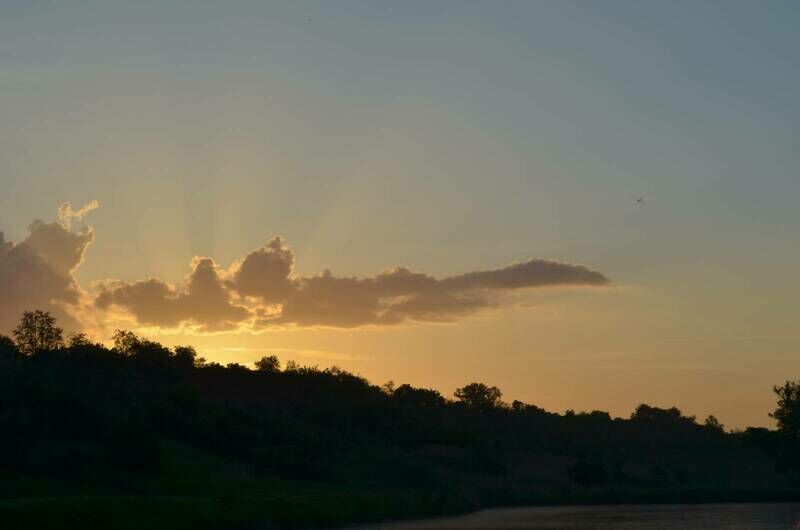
(429, 192)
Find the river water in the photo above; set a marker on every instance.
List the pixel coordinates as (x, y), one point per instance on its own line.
(646, 517)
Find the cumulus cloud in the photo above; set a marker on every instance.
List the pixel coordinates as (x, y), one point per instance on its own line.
(262, 290)
(259, 291)
(204, 303)
(265, 273)
(37, 273)
(327, 300)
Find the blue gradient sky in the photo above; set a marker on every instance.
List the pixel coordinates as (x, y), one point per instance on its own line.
(447, 137)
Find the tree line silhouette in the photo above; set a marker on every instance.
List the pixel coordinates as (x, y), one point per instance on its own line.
(70, 407)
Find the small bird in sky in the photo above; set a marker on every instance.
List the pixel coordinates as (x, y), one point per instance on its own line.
(639, 200)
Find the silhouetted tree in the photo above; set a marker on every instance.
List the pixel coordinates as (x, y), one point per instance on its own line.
(37, 331)
(237, 367)
(782, 445)
(185, 357)
(787, 413)
(478, 396)
(268, 363)
(79, 346)
(659, 417)
(292, 366)
(126, 342)
(412, 397)
(713, 423)
(78, 340)
(147, 354)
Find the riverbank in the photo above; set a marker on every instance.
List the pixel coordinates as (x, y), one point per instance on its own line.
(764, 516)
(207, 495)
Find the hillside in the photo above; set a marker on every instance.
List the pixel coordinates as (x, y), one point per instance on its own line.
(139, 435)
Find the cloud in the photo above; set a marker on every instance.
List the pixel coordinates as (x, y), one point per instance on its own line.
(37, 273)
(326, 300)
(265, 273)
(400, 295)
(204, 303)
(60, 248)
(262, 290)
(66, 214)
(532, 273)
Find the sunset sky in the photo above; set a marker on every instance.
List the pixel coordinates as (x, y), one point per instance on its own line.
(429, 192)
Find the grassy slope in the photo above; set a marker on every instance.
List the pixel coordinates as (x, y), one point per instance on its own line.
(195, 491)
(199, 491)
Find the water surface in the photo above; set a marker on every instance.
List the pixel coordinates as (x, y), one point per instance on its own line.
(646, 517)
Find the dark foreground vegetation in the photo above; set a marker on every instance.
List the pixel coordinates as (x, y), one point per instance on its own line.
(140, 436)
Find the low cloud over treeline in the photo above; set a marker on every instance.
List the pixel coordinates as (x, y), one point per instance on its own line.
(258, 291)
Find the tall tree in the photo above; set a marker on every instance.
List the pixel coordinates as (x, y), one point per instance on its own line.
(37, 331)
(787, 414)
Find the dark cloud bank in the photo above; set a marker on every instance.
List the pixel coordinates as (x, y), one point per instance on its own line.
(259, 291)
